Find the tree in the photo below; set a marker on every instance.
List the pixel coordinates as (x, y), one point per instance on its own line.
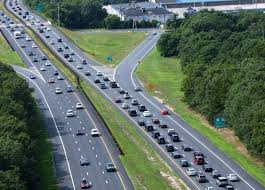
(112, 22)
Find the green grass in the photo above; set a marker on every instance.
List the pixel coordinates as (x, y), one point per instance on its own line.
(43, 155)
(141, 162)
(163, 78)
(100, 45)
(7, 55)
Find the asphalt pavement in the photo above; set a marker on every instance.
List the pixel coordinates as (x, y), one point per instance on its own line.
(125, 78)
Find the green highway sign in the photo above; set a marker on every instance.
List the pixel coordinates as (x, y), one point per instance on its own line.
(219, 122)
(39, 7)
(109, 58)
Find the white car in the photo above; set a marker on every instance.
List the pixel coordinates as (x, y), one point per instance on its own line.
(48, 63)
(70, 113)
(60, 77)
(146, 114)
(125, 106)
(28, 38)
(48, 29)
(79, 67)
(42, 68)
(232, 177)
(79, 105)
(209, 188)
(94, 133)
(34, 45)
(99, 73)
(191, 172)
(58, 90)
(52, 42)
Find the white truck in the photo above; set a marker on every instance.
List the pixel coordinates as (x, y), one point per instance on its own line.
(17, 34)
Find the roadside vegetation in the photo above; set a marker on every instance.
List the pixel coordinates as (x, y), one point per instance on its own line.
(101, 45)
(7, 55)
(25, 156)
(144, 167)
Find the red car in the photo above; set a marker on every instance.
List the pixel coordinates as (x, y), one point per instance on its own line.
(164, 112)
(51, 81)
(84, 184)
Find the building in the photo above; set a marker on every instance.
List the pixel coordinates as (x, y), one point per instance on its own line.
(147, 11)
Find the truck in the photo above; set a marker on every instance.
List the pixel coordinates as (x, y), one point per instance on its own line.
(17, 34)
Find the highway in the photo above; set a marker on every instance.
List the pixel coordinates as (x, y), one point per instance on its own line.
(125, 78)
(68, 147)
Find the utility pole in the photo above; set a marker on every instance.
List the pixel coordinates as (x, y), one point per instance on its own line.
(58, 13)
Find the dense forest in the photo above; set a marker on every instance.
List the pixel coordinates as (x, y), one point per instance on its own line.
(83, 14)
(222, 56)
(18, 169)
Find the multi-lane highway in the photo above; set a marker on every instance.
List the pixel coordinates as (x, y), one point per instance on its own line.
(71, 136)
(123, 75)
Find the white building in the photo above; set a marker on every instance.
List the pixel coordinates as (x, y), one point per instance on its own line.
(147, 11)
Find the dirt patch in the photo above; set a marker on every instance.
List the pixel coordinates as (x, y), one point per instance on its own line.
(173, 181)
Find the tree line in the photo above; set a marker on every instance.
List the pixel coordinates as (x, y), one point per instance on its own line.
(222, 56)
(18, 169)
(82, 14)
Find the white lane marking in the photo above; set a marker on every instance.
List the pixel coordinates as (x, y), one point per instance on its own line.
(70, 129)
(75, 142)
(103, 172)
(99, 163)
(106, 181)
(67, 160)
(84, 128)
(87, 173)
(79, 149)
(93, 148)
(96, 155)
(86, 134)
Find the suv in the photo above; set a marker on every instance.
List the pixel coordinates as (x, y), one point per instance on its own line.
(174, 138)
(149, 128)
(141, 108)
(201, 178)
(113, 84)
(155, 134)
(141, 122)
(221, 181)
(161, 140)
(207, 168)
(170, 148)
(132, 113)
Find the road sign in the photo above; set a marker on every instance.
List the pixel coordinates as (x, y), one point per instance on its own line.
(219, 122)
(39, 7)
(109, 58)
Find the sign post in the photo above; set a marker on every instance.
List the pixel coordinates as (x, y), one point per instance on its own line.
(219, 122)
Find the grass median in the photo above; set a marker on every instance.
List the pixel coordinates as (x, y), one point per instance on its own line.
(100, 45)
(162, 77)
(143, 165)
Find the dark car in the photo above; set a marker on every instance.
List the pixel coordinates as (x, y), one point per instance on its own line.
(110, 167)
(155, 134)
(207, 168)
(176, 154)
(170, 148)
(96, 80)
(163, 125)
(121, 91)
(30, 53)
(105, 78)
(198, 153)
(155, 120)
(161, 140)
(43, 58)
(149, 128)
(186, 147)
(113, 84)
(134, 102)
(59, 40)
(175, 138)
(103, 86)
(56, 73)
(84, 62)
(184, 163)
(141, 108)
(32, 77)
(117, 100)
(132, 113)
(84, 162)
(201, 178)
(66, 55)
(141, 122)
(79, 132)
(215, 174)
(87, 73)
(59, 49)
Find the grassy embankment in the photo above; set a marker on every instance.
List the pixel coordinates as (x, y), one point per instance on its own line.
(163, 78)
(100, 45)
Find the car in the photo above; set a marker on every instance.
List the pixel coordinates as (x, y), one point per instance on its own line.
(201, 178)
(69, 88)
(70, 113)
(161, 140)
(229, 187)
(141, 122)
(32, 77)
(59, 49)
(162, 125)
(199, 160)
(79, 105)
(134, 102)
(70, 59)
(209, 188)
(171, 132)
(113, 84)
(72, 53)
(175, 138)
(215, 174)
(52, 42)
(48, 29)
(103, 86)
(94, 133)
(79, 132)
(149, 127)
(84, 62)
(121, 91)
(184, 163)
(164, 112)
(84, 184)
(66, 47)
(125, 106)
(99, 73)
(43, 57)
(155, 120)
(137, 89)
(176, 154)
(23, 46)
(34, 45)
(126, 96)
(42, 68)
(170, 148)
(117, 100)
(28, 38)
(132, 112)
(186, 148)
(191, 172)
(59, 40)
(58, 90)
(110, 167)
(87, 73)
(60, 77)
(55, 73)
(84, 162)
(20, 13)
(141, 108)
(155, 134)
(30, 53)
(79, 67)
(40, 30)
(66, 55)
(105, 78)
(47, 36)
(207, 168)
(232, 177)
(146, 114)
(48, 63)
(51, 81)
(35, 59)
(221, 181)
